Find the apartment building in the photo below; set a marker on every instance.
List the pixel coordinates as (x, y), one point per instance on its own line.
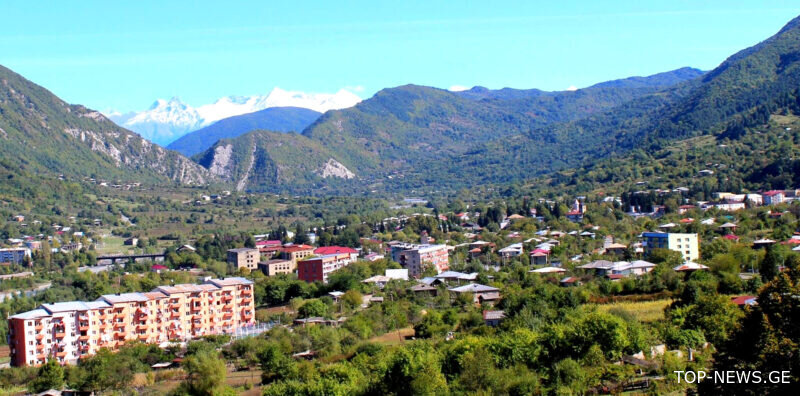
(419, 257)
(277, 266)
(296, 253)
(244, 258)
(14, 255)
(69, 331)
(686, 244)
(318, 268)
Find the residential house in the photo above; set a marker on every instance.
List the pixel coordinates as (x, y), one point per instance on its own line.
(481, 293)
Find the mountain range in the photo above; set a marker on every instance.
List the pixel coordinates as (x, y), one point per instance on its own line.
(416, 138)
(168, 120)
(427, 139)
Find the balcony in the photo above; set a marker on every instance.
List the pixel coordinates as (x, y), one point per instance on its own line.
(227, 306)
(83, 338)
(39, 347)
(39, 336)
(174, 314)
(60, 334)
(61, 354)
(196, 308)
(227, 297)
(246, 300)
(247, 315)
(41, 356)
(119, 324)
(38, 327)
(83, 326)
(142, 337)
(141, 326)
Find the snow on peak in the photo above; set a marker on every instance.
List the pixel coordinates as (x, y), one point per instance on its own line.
(167, 120)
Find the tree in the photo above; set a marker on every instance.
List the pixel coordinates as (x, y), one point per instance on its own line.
(772, 260)
(205, 373)
(352, 299)
(313, 308)
(50, 376)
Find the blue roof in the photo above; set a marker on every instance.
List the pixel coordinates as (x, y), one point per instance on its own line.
(655, 234)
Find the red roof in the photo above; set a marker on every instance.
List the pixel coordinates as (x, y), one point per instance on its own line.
(574, 213)
(476, 250)
(773, 192)
(687, 207)
(540, 251)
(688, 220)
(158, 267)
(268, 243)
(731, 237)
(742, 300)
(334, 250)
(615, 276)
(296, 248)
(793, 241)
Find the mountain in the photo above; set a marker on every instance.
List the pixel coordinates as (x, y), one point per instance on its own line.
(279, 119)
(40, 133)
(400, 130)
(751, 81)
(281, 160)
(168, 120)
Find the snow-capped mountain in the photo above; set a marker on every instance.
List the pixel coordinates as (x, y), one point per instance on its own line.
(167, 120)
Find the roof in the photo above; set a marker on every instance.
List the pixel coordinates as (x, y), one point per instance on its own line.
(325, 250)
(65, 306)
(772, 192)
(297, 248)
(187, 288)
(744, 300)
(474, 288)
(123, 297)
(690, 266)
(154, 295)
(597, 264)
(421, 287)
(397, 273)
(731, 237)
(728, 225)
(569, 279)
(232, 281)
(616, 246)
(34, 314)
(242, 250)
(548, 270)
(494, 315)
(377, 279)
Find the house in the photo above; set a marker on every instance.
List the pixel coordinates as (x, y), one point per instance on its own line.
(374, 257)
(493, 318)
(540, 257)
(624, 268)
(132, 241)
(513, 250)
(423, 288)
(616, 249)
(686, 244)
(186, 248)
(244, 258)
(685, 208)
(763, 243)
(570, 281)
(158, 268)
(481, 293)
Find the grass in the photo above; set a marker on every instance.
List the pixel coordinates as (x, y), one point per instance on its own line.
(643, 311)
(392, 337)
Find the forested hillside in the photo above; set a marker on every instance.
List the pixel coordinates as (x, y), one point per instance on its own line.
(41, 133)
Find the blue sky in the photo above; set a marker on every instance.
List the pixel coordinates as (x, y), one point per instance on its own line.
(124, 55)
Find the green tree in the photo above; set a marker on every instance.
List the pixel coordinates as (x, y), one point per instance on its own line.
(49, 376)
(205, 373)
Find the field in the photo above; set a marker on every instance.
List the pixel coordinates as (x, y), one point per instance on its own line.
(644, 311)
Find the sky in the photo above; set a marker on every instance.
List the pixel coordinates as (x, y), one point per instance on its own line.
(123, 55)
